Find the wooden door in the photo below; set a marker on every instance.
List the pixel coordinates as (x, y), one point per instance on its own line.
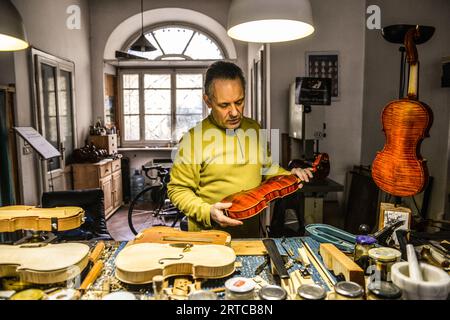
(106, 185)
(117, 189)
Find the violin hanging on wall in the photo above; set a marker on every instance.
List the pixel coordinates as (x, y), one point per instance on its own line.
(399, 168)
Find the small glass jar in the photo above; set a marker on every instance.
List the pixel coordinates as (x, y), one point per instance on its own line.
(383, 290)
(361, 252)
(347, 290)
(272, 292)
(381, 261)
(311, 292)
(239, 288)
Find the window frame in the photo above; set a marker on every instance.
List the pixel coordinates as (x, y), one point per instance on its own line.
(141, 143)
(152, 28)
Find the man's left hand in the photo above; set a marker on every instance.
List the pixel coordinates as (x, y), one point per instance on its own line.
(303, 174)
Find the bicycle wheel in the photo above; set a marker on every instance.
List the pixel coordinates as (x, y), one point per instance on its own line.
(143, 210)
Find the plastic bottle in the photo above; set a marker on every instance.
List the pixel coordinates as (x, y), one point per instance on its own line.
(137, 183)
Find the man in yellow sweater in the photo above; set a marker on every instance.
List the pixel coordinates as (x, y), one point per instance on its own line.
(222, 155)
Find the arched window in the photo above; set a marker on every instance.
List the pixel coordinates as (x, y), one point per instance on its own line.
(162, 102)
(180, 43)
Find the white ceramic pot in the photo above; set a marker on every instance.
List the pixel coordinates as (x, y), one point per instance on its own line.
(436, 284)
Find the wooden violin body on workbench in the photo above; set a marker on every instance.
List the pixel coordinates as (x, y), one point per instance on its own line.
(139, 263)
(399, 169)
(246, 204)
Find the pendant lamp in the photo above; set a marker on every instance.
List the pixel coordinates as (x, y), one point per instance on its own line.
(12, 31)
(142, 44)
(267, 21)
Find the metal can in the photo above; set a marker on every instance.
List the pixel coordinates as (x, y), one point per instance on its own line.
(311, 292)
(272, 292)
(239, 288)
(202, 295)
(381, 261)
(347, 290)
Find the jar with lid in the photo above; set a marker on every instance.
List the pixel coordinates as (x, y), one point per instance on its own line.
(272, 292)
(381, 261)
(239, 288)
(311, 292)
(347, 290)
(383, 290)
(361, 253)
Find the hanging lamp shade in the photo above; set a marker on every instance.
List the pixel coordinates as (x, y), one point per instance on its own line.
(12, 31)
(270, 21)
(142, 44)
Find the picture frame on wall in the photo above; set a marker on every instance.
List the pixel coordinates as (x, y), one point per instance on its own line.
(324, 64)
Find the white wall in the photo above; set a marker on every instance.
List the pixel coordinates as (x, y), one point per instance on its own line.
(339, 26)
(382, 84)
(45, 24)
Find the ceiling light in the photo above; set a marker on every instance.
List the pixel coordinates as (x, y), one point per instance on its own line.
(12, 31)
(270, 21)
(142, 44)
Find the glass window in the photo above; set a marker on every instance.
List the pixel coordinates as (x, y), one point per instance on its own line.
(172, 104)
(180, 43)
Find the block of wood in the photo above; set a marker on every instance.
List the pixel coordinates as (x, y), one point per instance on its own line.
(336, 261)
(248, 247)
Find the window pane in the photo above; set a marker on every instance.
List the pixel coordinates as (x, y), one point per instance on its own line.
(189, 101)
(49, 108)
(157, 81)
(131, 101)
(186, 122)
(131, 81)
(65, 114)
(157, 127)
(202, 47)
(189, 80)
(132, 128)
(173, 40)
(157, 101)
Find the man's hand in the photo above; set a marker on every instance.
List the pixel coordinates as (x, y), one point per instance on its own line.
(303, 174)
(218, 216)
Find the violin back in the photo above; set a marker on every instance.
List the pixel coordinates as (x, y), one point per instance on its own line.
(51, 263)
(399, 168)
(139, 263)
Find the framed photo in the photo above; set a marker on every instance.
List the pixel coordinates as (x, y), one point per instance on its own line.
(324, 64)
(389, 214)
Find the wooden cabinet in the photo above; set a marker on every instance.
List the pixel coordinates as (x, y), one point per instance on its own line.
(106, 175)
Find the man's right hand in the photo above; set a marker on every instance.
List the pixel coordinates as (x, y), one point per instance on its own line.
(218, 216)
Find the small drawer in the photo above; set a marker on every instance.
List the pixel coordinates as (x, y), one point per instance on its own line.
(105, 169)
(116, 166)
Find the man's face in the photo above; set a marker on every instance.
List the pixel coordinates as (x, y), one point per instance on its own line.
(227, 102)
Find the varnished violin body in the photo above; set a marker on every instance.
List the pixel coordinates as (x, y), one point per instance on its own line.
(248, 203)
(399, 168)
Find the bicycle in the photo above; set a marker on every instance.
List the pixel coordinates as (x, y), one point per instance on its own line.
(155, 198)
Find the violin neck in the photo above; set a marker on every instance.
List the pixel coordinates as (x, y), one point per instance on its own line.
(413, 84)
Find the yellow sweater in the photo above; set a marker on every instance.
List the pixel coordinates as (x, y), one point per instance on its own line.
(212, 163)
